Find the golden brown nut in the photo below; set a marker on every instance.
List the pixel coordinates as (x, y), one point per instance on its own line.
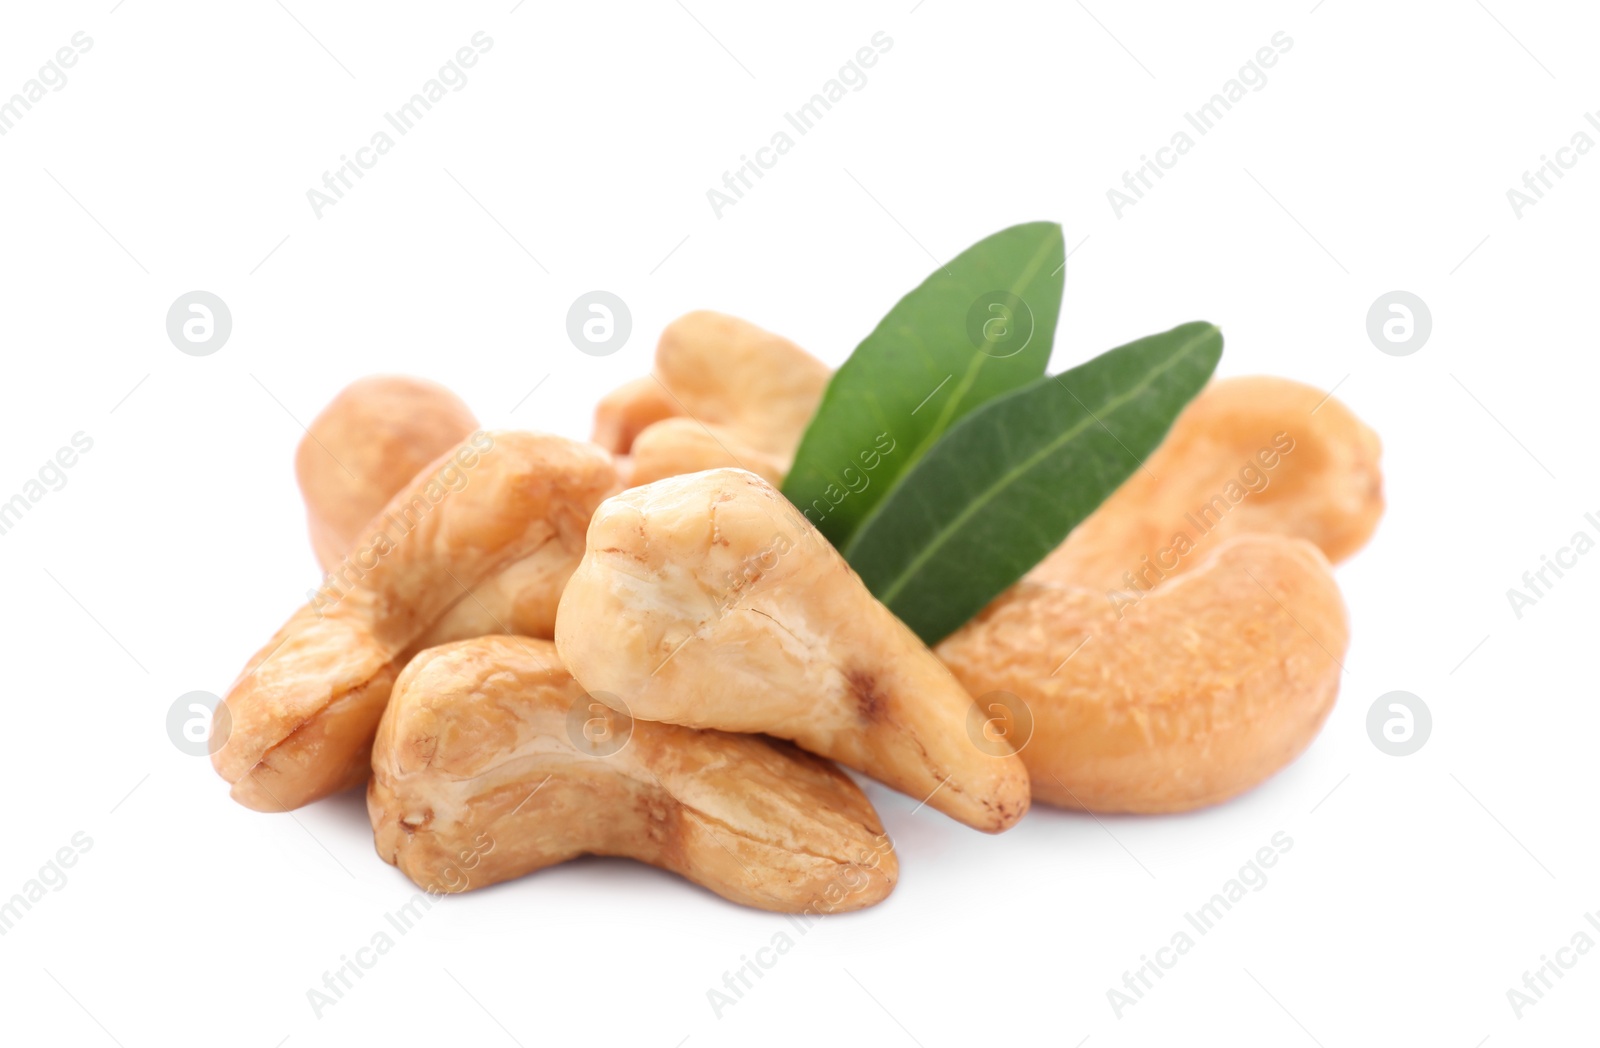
(727, 372)
(1255, 454)
(709, 601)
(384, 430)
(367, 444)
(1202, 689)
(492, 762)
(520, 598)
(676, 446)
(626, 411)
(304, 711)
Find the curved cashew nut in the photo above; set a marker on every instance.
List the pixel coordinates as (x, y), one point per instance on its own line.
(1214, 681)
(676, 446)
(710, 601)
(367, 444)
(629, 410)
(484, 769)
(520, 598)
(379, 428)
(1157, 674)
(727, 372)
(1255, 454)
(304, 711)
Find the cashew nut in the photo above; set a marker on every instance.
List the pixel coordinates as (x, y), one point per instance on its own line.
(626, 411)
(727, 372)
(367, 444)
(1156, 673)
(304, 711)
(724, 394)
(1255, 454)
(380, 426)
(492, 762)
(708, 600)
(676, 446)
(520, 598)
(1215, 680)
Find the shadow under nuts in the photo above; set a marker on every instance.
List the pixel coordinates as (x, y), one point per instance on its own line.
(485, 769)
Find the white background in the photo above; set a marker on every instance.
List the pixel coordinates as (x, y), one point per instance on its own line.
(1377, 156)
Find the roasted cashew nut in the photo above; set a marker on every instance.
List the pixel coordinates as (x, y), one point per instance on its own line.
(727, 372)
(676, 446)
(367, 444)
(1255, 454)
(481, 773)
(724, 393)
(1181, 646)
(709, 601)
(1215, 680)
(379, 428)
(628, 410)
(305, 709)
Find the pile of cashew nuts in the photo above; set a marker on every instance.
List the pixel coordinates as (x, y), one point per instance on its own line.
(530, 648)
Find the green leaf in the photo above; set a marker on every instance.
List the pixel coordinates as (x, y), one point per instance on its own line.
(977, 328)
(1006, 485)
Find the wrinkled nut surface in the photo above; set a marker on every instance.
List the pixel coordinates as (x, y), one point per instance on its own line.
(1255, 454)
(628, 410)
(304, 711)
(676, 446)
(1212, 682)
(367, 444)
(479, 776)
(727, 372)
(709, 601)
(380, 426)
